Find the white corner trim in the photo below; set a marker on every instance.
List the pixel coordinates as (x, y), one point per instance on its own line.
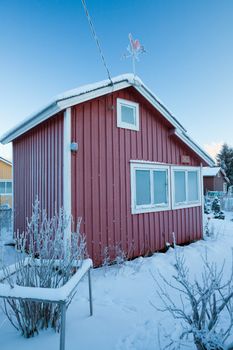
(67, 168)
(13, 196)
(202, 198)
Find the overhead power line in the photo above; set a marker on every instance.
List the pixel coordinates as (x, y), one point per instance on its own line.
(96, 40)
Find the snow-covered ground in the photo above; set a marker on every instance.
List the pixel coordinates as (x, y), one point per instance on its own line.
(124, 316)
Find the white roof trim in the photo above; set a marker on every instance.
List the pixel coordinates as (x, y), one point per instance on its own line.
(5, 161)
(88, 92)
(60, 103)
(195, 147)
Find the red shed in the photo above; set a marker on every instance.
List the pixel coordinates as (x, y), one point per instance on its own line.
(215, 179)
(113, 154)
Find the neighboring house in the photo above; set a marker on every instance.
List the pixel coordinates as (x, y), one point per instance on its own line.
(5, 183)
(214, 179)
(112, 154)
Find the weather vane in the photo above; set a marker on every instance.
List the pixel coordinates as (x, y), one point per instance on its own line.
(135, 49)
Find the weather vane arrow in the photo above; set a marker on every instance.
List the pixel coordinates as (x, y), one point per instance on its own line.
(135, 49)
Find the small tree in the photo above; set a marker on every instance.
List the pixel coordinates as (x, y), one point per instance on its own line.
(52, 262)
(203, 303)
(216, 205)
(225, 160)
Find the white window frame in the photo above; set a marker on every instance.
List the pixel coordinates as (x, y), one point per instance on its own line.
(6, 193)
(124, 125)
(138, 209)
(187, 203)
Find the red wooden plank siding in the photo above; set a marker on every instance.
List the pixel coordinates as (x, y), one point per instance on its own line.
(101, 191)
(38, 170)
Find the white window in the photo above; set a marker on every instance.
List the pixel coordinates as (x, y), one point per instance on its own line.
(186, 190)
(5, 187)
(127, 114)
(150, 187)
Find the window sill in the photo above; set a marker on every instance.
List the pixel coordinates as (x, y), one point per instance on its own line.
(185, 205)
(132, 127)
(142, 210)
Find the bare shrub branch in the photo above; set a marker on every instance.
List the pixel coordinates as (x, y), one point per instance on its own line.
(52, 262)
(203, 303)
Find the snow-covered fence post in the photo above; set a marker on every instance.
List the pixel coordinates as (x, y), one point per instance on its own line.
(45, 266)
(63, 326)
(90, 292)
(61, 296)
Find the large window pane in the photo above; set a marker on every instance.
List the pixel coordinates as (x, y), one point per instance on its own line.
(160, 187)
(9, 187)
(192, 186)
(143, 187)
(180, 192)
(2, 187)
(128, 114)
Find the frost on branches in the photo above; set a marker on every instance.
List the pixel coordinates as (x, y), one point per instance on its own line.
(204, 308)
(53, 259)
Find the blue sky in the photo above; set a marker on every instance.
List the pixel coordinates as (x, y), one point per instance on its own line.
(46, 48)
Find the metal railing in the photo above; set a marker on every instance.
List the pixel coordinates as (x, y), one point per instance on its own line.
(61, 296)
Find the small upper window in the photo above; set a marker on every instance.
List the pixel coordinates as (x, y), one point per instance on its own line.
(127, 114)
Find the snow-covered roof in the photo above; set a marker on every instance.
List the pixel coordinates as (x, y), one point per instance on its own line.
(213, 171)
(5, 161)
(210, 171)
(90, 91)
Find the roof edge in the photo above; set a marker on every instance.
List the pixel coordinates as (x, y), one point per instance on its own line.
(98, 89)
(71, 97)
(28, 123)
(6, 161)
(195, 147)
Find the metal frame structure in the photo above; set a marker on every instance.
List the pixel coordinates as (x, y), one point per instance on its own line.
(61, 296)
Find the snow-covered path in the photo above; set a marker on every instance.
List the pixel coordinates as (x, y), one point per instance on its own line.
(124, 318)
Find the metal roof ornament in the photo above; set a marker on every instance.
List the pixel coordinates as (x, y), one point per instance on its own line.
(135, 49)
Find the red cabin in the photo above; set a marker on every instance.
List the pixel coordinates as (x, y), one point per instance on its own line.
(114, 155)
(215, 179)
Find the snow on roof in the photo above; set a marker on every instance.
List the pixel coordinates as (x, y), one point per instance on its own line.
(5, 161)
(212, 171)
(94, 86)
(90, 91)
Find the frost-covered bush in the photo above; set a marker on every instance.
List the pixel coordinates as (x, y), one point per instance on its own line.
(53, 259)
(120, 255)
(209, 229)
(113, 255)
(5, 220)
(204, 307)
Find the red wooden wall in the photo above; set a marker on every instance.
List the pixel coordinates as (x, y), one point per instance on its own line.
(213, 183)
(38, 170)
(101, 178)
